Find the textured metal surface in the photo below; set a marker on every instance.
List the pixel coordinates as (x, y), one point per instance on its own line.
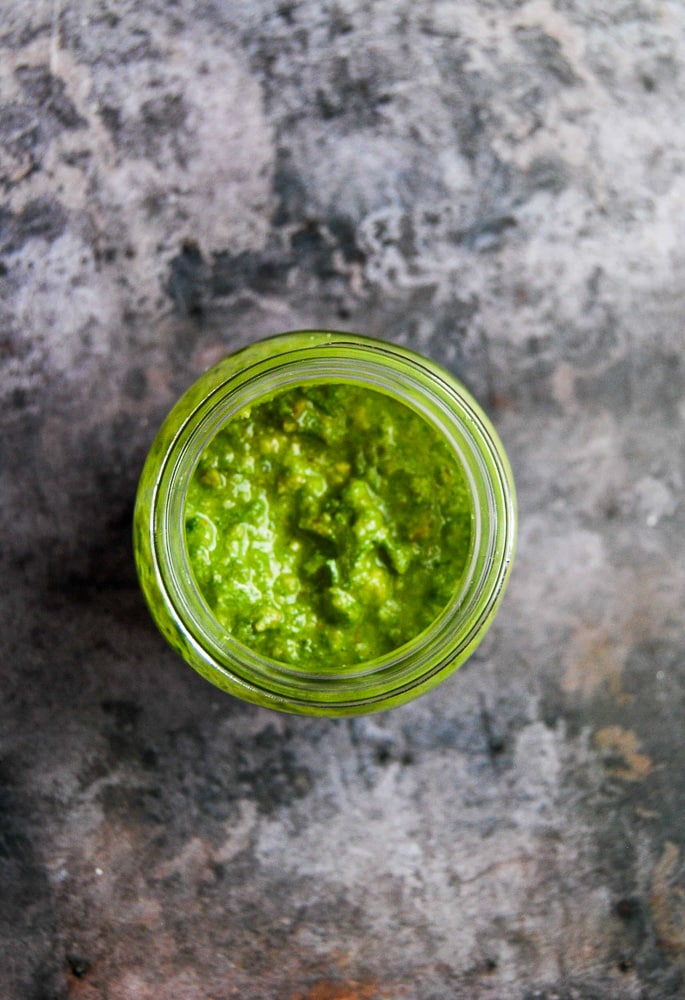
(501, 186)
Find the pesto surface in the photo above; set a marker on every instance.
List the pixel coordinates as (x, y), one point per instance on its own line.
(328, 525)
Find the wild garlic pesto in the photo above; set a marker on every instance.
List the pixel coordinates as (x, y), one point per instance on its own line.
(327, 525)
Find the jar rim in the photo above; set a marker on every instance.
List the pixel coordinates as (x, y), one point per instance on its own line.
(306, 357)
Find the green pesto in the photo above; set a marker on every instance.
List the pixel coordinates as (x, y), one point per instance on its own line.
(328, 525)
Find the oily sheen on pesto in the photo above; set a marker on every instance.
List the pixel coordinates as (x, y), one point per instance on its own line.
(327, 525)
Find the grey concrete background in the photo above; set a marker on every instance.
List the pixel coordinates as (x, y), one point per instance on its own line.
(501, 185)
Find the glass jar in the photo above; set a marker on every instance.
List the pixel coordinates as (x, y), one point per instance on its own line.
(258, 372)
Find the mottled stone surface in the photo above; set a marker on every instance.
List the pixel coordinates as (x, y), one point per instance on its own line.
(500, 185)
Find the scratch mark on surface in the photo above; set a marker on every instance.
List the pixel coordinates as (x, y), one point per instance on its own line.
(54, 37)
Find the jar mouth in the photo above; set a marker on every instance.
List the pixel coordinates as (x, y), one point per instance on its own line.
(453, 633)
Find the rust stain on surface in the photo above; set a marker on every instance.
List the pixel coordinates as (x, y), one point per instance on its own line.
(598, 662)
(622, 741)
(668, 900)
